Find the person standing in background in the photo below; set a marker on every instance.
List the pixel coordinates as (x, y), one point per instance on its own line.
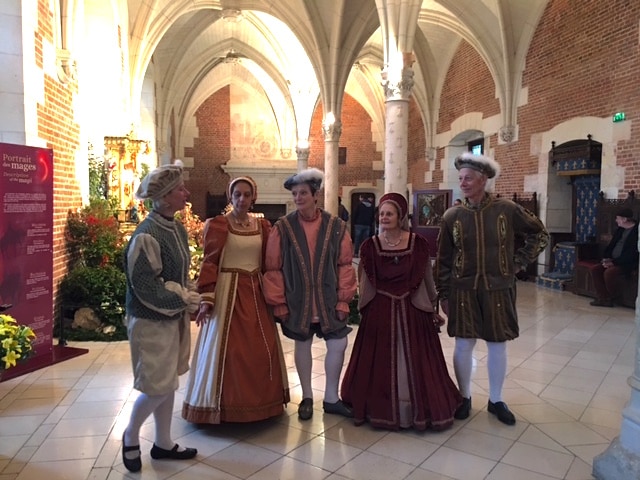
(363, 219)
(160, 298)
(476, 273)
(342, 211)
(309, 281)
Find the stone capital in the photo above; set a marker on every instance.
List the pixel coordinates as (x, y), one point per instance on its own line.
(332, 131)
(398, 88)
(302, 153)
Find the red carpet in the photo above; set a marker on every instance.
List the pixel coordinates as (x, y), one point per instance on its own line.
(58, 354)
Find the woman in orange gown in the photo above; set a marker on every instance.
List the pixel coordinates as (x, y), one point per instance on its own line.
(238, 372)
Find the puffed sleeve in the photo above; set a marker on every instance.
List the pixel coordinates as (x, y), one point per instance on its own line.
(347, 283)
(214, 235)
(144, 269)
(273, 282)
(265, 225)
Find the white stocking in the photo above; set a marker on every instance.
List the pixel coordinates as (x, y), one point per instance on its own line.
(332, 367)
(463, 364)
(497, 367)
(144, 406)
(163, 415)
(304, 362)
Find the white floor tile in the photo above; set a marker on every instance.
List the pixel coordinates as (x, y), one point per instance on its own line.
(566, 384)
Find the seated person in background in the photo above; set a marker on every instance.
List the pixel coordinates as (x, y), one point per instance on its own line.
(620, 258)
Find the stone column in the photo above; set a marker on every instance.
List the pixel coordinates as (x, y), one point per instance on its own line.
(397, 94)
(331, 130)
(303, 157)
(622, 459)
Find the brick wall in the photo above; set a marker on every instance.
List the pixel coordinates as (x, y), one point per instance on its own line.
(584, 60)
(416, 161)
(57, 127)
(211, 149)
(596, 76)
(468, 87)
(356, 137)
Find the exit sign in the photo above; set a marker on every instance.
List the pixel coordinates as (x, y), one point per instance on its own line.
(618, 117)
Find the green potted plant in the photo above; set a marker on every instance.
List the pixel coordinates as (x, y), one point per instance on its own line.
(95, 278)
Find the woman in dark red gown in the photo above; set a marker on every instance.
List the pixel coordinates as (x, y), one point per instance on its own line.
(397, 376)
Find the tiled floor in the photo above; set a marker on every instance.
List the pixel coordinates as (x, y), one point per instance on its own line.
(566, 384)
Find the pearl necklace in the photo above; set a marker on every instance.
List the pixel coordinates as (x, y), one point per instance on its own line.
(391, 244)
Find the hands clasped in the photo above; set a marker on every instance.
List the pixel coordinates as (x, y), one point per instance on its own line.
(190, 297)
(193, 301)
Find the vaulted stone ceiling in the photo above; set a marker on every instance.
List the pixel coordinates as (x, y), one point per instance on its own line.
(301, 51)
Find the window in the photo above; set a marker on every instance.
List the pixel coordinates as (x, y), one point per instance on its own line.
(476, 146)
(342, 155)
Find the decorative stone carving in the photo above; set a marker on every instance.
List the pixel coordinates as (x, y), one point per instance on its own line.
(285, 152)
(332, 131)
(507, 133)
(400, 90)
(66, 66)
(302, 153)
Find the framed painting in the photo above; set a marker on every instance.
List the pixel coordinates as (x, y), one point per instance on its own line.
(428, 208)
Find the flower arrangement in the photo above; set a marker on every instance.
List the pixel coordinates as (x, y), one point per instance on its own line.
(15, 342)
(93, 234)
(193, 224)
(195, 228)
(95, 278)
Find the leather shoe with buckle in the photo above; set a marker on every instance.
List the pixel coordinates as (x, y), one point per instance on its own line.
(463, 410)
(158, 453)
(131, 464)
(338, 408)
(500, 410)
(305, 409)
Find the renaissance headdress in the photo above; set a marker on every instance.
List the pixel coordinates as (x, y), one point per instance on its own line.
(485, 165)
(247, 179)
(311, 176)
(401, 205)
(160, 181)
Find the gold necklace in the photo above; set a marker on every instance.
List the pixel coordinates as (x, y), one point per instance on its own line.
(244, 224)
(391, 244)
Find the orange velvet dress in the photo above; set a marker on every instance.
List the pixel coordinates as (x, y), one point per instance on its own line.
(238, 371)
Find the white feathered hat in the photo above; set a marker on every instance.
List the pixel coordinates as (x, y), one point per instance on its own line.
(312, 176)
(487, 166)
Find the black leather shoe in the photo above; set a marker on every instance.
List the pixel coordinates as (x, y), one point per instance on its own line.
(131, 464)
(500, 410)
(338, 408)
(305, 409)
(601, 303)
(158, 453)
(463, 410)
